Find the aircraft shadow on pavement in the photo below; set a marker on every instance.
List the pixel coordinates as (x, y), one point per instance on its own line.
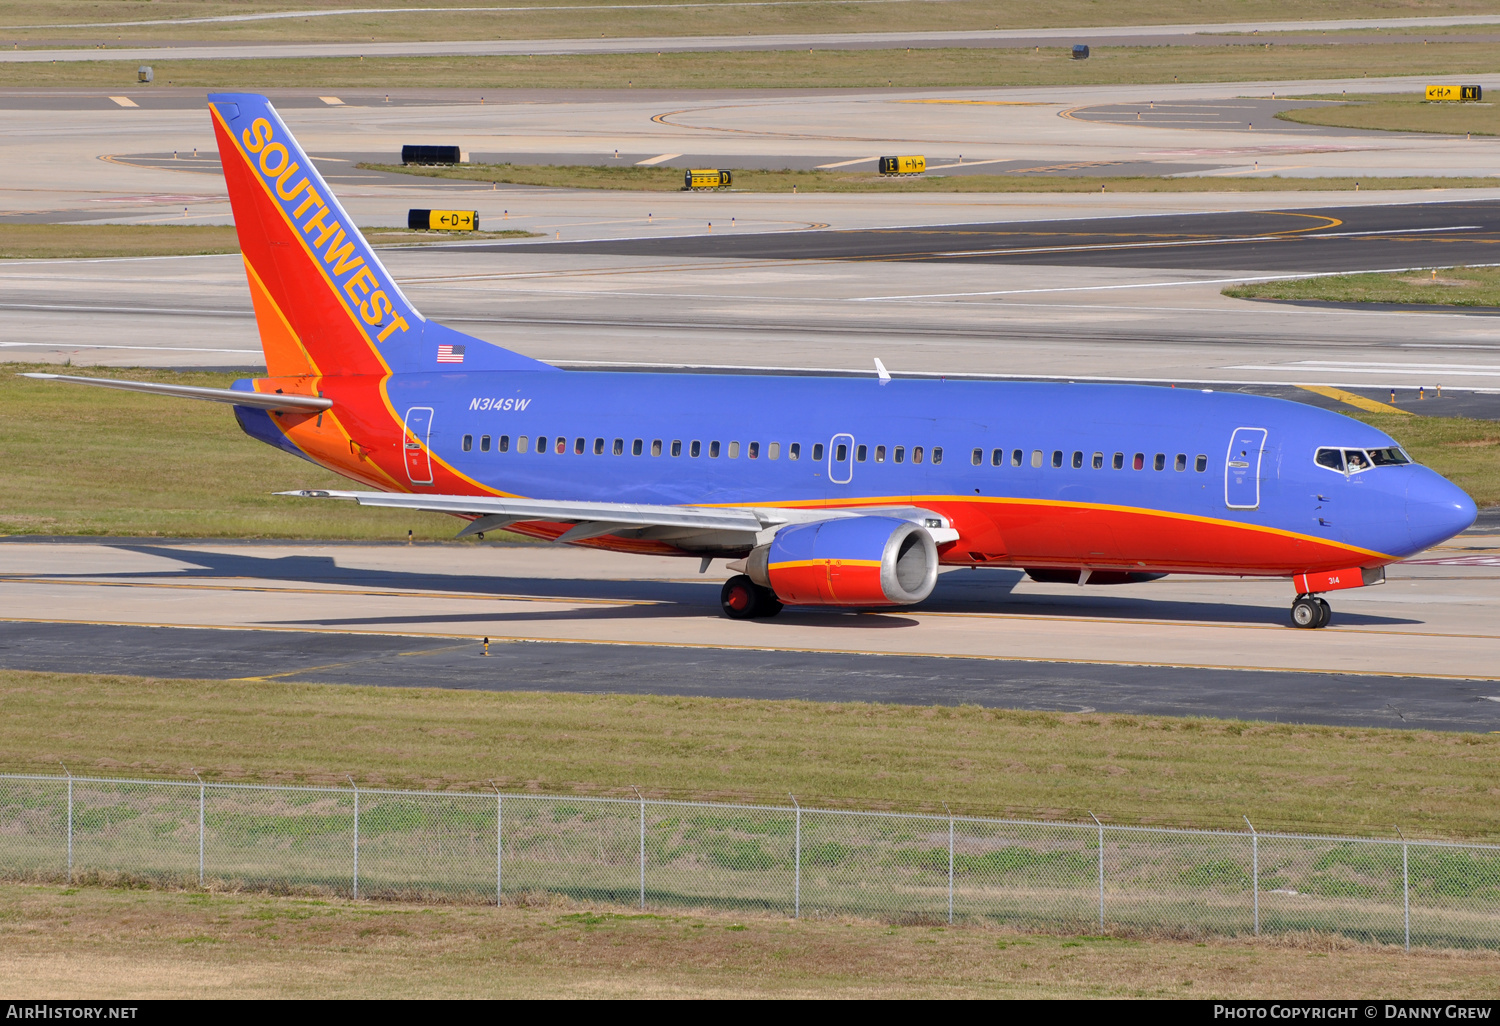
(988, 589)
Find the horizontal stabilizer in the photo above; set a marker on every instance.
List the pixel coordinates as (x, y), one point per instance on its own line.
(254, 400)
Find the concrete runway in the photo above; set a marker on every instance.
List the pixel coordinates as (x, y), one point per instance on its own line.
(1421, 651)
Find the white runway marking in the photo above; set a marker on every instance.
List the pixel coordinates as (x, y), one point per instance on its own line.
(652, 161)
(845, 163)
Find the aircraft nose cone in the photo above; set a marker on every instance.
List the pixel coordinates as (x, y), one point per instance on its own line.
(1436, 510)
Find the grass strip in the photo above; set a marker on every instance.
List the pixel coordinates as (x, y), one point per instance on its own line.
(666, 179)
(118, 470)
(1447, 286)
(120, 944)
(1409, 113)
(58, 241)
(96, 461)
(85, 241)
(664, 19)
(1127, 769)
(785, 69)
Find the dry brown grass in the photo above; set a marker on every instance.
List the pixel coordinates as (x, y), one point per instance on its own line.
(95, 943)
(56, 241)
(1128, 769)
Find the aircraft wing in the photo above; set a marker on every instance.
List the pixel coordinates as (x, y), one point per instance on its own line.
(593, 519)
(257, 400)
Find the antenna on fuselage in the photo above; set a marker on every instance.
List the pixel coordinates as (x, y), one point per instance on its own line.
(881, 372)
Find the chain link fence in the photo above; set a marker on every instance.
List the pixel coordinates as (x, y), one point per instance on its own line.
(444, 846)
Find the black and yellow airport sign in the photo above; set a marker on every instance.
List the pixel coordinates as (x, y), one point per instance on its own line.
(707, 178)
(1454, 93)
(443, 220)
(903, 165)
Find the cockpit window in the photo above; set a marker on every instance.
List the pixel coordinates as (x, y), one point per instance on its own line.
(1353, 461)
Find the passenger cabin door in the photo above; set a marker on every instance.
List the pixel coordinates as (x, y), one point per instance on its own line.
(414, 442)
(1242, 468)
(841, 459)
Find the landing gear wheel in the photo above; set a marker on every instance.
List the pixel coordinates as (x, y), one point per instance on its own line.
(743, 599)
(767, 604)
(740, 598)
(1307, 613)
(1327, 612)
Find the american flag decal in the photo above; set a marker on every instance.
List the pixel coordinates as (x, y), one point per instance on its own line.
(450, 354)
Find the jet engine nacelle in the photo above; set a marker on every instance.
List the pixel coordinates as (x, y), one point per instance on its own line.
(851, 561)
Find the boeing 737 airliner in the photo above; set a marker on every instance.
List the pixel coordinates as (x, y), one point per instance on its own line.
(825, 491)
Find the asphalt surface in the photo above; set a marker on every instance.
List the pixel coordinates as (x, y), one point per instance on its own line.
(1311, 240)
(1344, 700)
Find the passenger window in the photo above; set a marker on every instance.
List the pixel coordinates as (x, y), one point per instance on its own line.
(1160, 463)
(860, 453)
(880, 454)
(468, 442)
(1181, 463)
(1036, 457)
(656, 446)
(1119, 461)
(562, 445)
(916, 454)
(1057, 457)
(997, 457)
(1139, 463)
(1098, 461)
(598, 447)
(637, 447)
(1355, 460)
(734, 450)
(522, 443)
(504, 445)
(1201, 464)
(900, 454)
(773, 451)
(840, 453)
(753, 450)
(695, 448)
(713, 450)
(817, 453)
(541, 444)
(619, 447)
(676, 447)
(578, 444)
(794, 451)
(937, 454)
(976, 457)
(484, 443)
(1392, 457)
(1077, 460)
(1016, 456)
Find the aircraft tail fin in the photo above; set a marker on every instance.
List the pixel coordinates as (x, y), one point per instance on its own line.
(323, 302)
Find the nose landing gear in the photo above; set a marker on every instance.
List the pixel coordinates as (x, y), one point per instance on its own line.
(743, 599)
(1311, 612)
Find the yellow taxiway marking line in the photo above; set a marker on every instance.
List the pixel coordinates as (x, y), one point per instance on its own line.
(1353, 399)
(331, 590)
(520, 639)
(334, 666)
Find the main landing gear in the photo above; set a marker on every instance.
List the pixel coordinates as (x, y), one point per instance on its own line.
(1311, 612)
(743, 599)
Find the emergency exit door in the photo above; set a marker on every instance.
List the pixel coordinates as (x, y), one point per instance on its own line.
(414, 444)
(1242, 468)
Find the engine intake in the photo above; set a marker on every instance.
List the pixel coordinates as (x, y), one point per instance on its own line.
(852, 561)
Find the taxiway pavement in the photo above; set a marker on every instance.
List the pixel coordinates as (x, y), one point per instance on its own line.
(1421, 650)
